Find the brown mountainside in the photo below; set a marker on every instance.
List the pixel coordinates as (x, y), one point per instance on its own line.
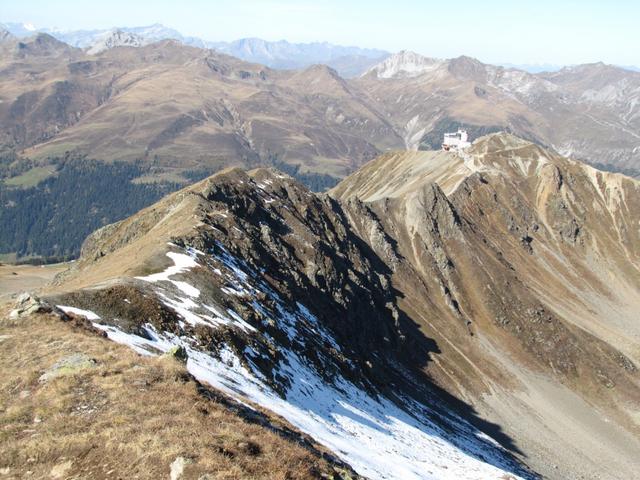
(184, 107)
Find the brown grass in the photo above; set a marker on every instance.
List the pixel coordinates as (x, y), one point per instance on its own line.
(127, 417)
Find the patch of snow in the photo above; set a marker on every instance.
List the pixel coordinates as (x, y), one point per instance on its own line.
(374, 435)
(155, 345)
(184, 307)
(187, 289)
(181, 264)
(79, 311)
(240, 321)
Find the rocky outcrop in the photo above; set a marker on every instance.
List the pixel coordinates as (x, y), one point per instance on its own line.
(29, 304)
(404, 64)
(115, 38)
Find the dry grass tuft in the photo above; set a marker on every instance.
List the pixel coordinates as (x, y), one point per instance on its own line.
(127, 417)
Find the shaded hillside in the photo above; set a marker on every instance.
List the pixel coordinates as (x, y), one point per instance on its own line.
(50, 207)
(52, 218)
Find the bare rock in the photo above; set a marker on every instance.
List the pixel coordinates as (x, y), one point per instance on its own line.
(68, 366)
(177, 468)
(29, 304)
(179, 353)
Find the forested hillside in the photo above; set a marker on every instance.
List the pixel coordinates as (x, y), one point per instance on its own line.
(47, 211)
(52, 218)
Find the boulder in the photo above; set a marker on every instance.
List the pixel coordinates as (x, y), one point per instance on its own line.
(68, 366)
(179, 353)
(28, 304)
(177, 468)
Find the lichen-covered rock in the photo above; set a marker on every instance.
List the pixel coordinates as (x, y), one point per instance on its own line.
(179, 353)
(68, 366)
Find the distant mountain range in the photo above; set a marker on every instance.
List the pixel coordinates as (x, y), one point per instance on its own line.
(589, 112)
(174, 102)
(347, 61)
(552, 67)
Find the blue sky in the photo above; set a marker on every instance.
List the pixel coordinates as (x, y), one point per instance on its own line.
(497, 31)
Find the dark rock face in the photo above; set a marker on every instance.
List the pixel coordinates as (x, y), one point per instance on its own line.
(42, 45)
(49, 110)
(307, 252)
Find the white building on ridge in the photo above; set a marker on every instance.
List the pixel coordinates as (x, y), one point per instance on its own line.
(455, 141)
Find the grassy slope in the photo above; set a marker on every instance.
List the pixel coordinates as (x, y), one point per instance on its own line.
(30, 178)
(128, 416)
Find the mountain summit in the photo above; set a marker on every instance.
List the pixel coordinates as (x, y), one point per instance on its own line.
(116, 38)
(404, 64)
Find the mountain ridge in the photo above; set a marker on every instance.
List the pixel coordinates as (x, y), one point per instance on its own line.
(529, 103)
(482, 276)
(155, 32)
(405, 63)
(115, 38)
(466, 92)
(589, 112)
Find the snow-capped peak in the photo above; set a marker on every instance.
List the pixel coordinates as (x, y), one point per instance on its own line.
(404, 64)
(29, 26)
(115, 38)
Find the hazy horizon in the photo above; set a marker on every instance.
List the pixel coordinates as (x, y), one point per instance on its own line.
(540, 33)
